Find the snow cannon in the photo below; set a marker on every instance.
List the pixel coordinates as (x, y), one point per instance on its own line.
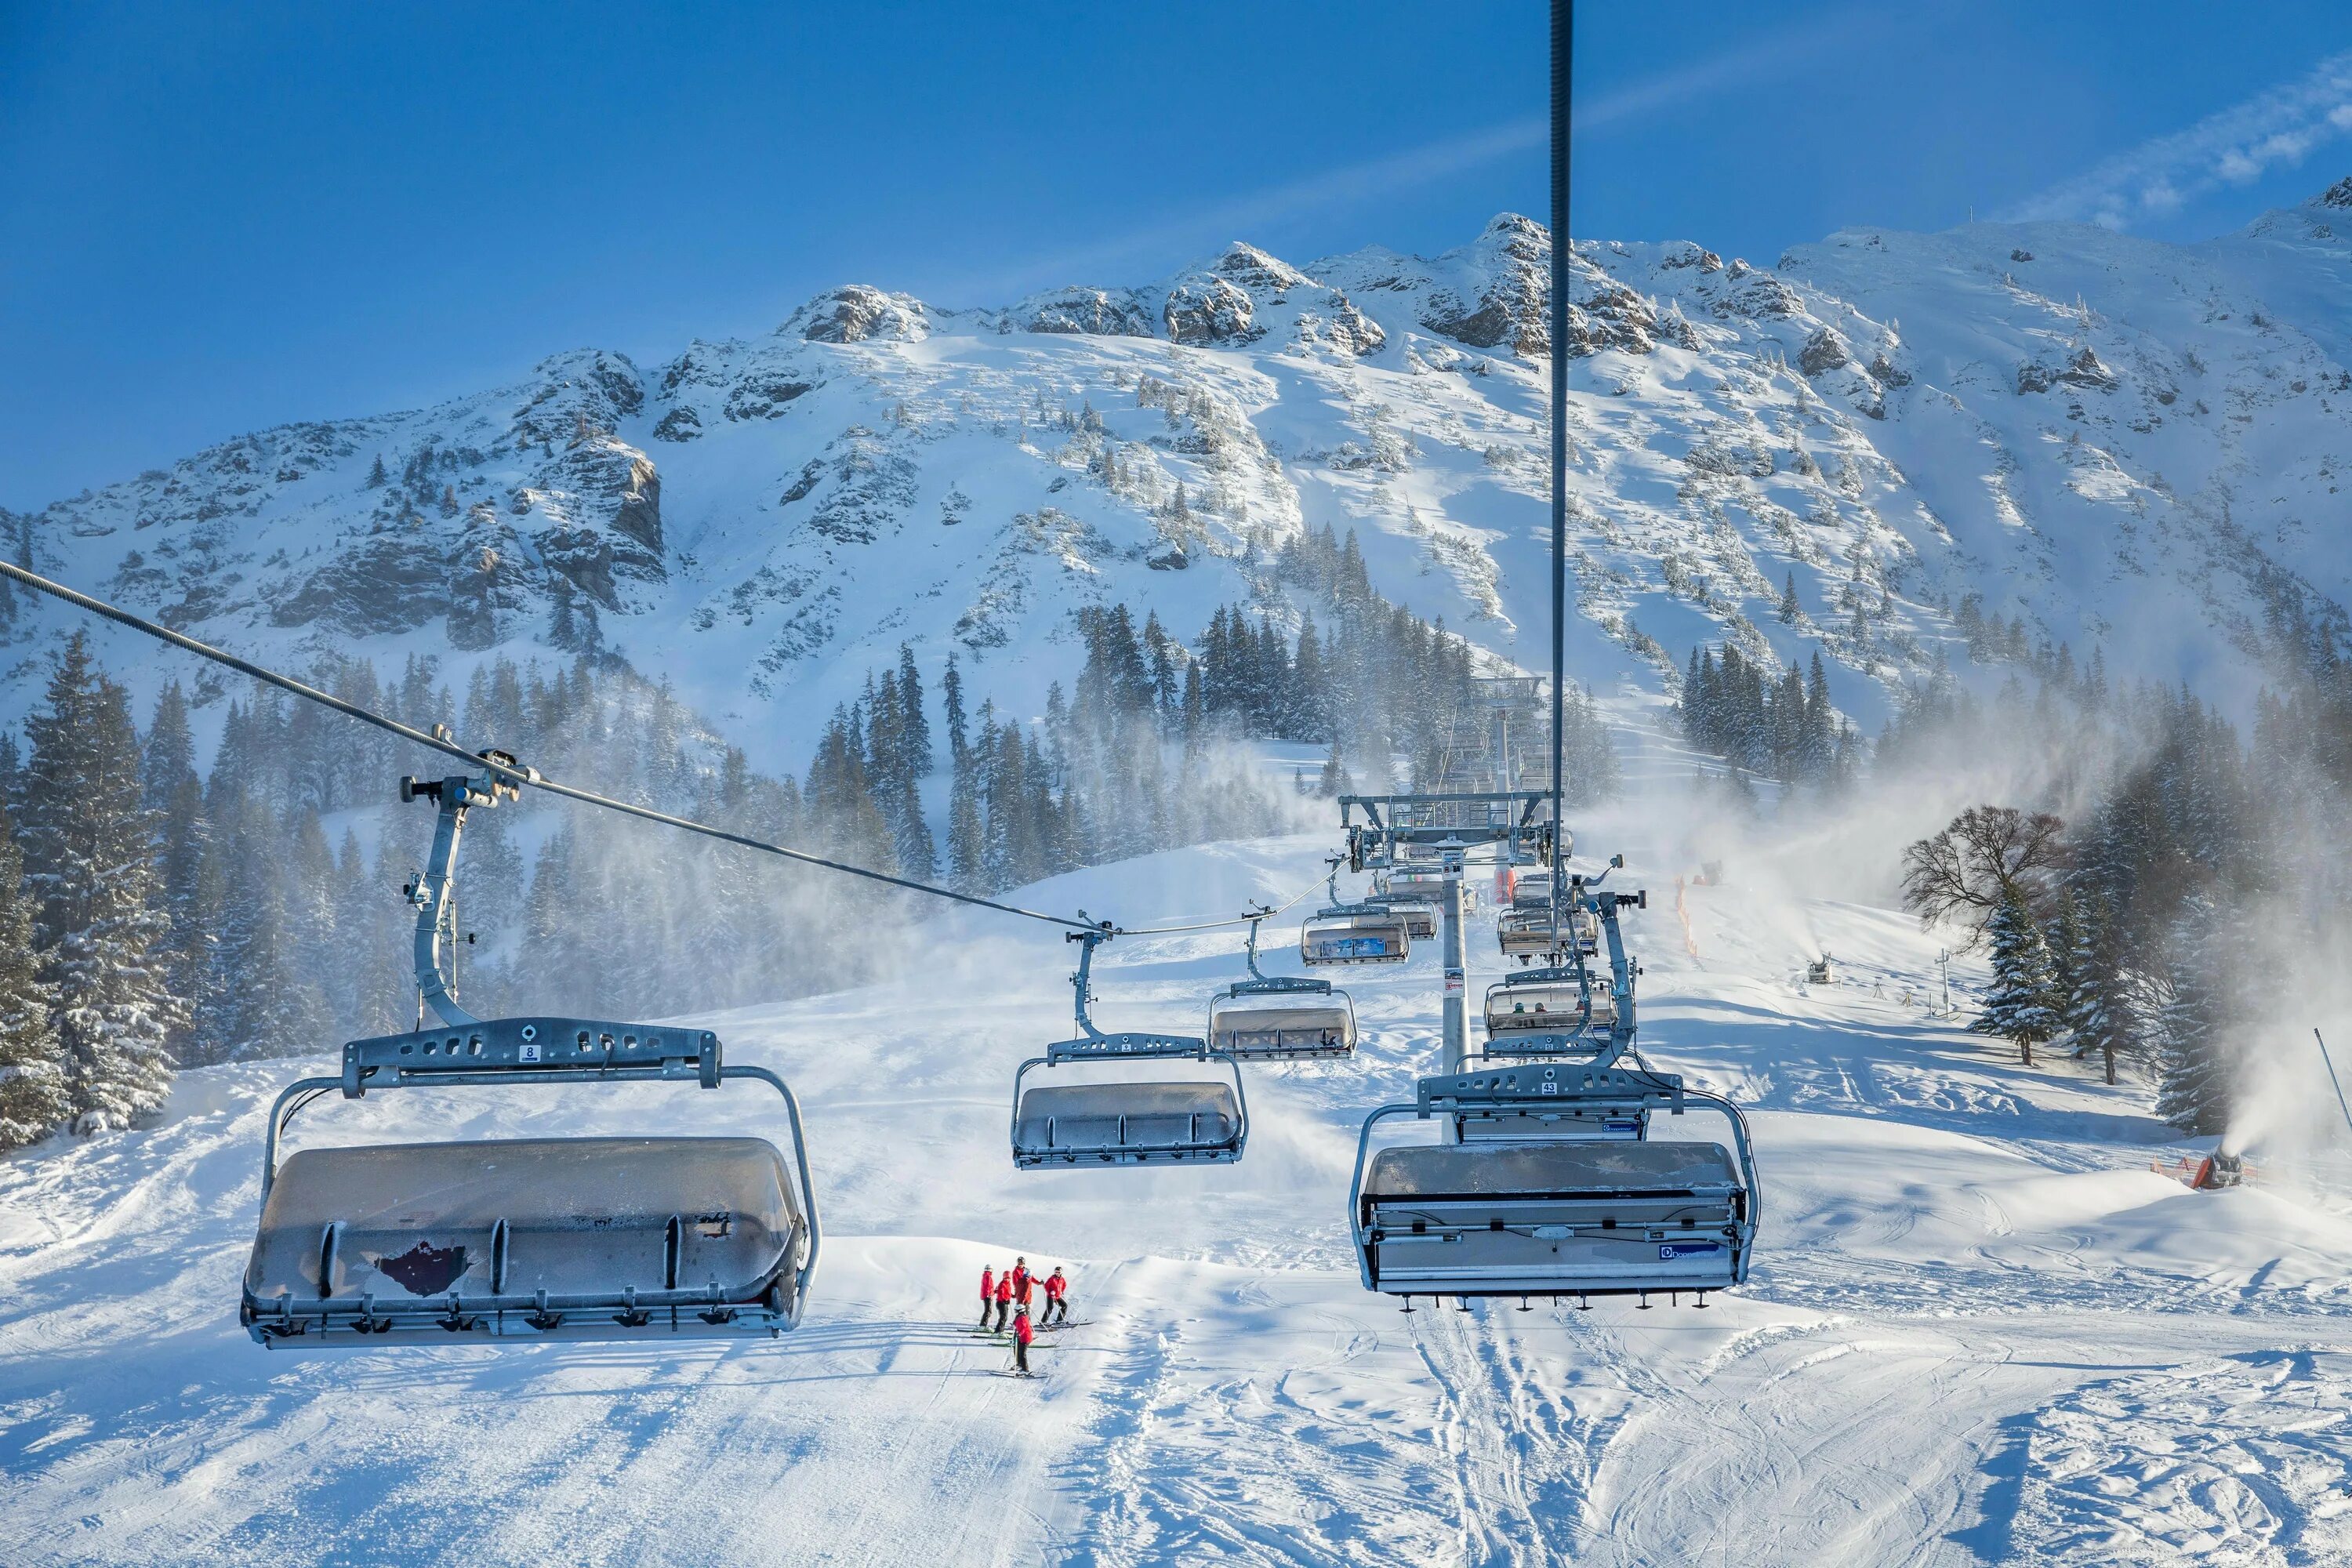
(573, 1238)
(2219, 1170)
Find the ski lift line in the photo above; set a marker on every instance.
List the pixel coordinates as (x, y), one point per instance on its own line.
(1259, 914)
(510, 772)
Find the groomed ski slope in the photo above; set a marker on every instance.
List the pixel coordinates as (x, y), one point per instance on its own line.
(1979, 1329)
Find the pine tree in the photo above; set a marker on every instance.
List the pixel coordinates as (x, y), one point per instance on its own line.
(1789, 610)
(97, 927)
(2018, 1007)
(2197, 1088)
(168, 760)
(1335, 781)
(2099, 1006)
(951, 696)
(33, 1098)
(915, 738)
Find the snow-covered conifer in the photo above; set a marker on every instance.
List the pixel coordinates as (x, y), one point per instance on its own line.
(33, 1096)
(98, 924)
(2018, 1007)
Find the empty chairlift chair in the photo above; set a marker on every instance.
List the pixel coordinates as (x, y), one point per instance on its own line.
(1125, 1122)
(1280, 1017)
(591, 1237)
(1569, 1216)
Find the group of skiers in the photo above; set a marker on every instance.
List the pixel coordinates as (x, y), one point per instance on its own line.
(1008, 1292)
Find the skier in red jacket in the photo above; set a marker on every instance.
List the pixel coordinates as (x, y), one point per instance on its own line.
(987, 1292)
(1022, 1334)
(1057, 1299)
(1020, 1281)
(1003, 1300)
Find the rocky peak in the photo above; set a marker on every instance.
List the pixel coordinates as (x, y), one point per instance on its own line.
(1255, 271)
(1203, 308)
(856, 313)
(1103, 312)
(2339, 194)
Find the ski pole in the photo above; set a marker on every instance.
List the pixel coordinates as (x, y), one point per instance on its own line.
(2332, 1079)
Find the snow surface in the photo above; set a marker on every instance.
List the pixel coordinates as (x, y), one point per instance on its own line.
(1979, 1329)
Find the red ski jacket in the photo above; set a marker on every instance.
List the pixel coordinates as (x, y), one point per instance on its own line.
(987, 1283)
(1004, 1288)
(1021, 1282)
(1021, 1330)
(1056, 1287)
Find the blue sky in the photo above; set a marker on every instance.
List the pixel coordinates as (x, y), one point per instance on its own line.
(217, 217)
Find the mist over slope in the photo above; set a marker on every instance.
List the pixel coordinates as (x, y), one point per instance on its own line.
(2118, 442)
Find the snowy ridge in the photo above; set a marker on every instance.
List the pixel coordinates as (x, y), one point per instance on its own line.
(2118, 441)
(1979, 1327)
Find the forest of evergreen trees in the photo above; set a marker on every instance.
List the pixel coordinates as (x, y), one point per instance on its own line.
(155, 913)
(1781, 726)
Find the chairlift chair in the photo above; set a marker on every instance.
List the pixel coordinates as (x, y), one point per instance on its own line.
(1544, 1002)
(1128, 1122)
(1420, 914)
(1280, 1017)
(1556, 1217)
(1354, 933)
(1584, 926)
(1526, 933)
(573, 1238)
(1424, 883)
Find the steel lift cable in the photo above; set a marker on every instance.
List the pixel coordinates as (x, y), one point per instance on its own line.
(514, 773)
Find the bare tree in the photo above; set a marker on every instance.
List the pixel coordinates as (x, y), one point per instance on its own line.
(1982, 856)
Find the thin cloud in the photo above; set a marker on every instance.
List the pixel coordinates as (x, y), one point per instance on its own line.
(2273, 129)
(1355, 185)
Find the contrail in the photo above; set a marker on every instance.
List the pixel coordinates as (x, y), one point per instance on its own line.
(2275, 129)
(1356, 183)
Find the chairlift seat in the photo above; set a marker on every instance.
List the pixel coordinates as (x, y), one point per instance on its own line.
(1359, 936)
(1128, 1124)
(1524, 933)
(1282, 1027)
(1546, 1007)
(1586, 1217)
(1420, 916)
(541, 1239)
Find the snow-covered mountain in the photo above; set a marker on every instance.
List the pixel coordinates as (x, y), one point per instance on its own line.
(2128, 444)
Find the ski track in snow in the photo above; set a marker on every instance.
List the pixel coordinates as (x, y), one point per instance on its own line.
(1980, 1330)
